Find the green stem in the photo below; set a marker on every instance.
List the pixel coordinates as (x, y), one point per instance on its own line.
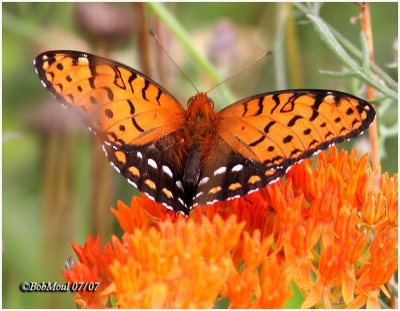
(352, 49)
(336, 42)
(337, 49)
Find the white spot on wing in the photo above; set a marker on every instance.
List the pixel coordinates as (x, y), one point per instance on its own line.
(203, 181)
(149, 196)
(104, 149)
(83, 59)
(234, 197)
(181, 212)
(253, 190)
(179, 184)
(237, 168)
(181, 201)
(152, 163)
(329, 97)
(43, 83)
(115, 167)
(139, 155)
(132, 183)
(221, 170)
(167, 171)
(199, 194)
(212, 202)
(168, 206)
(272, 181)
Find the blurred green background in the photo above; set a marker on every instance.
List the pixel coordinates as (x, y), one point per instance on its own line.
(57, 186)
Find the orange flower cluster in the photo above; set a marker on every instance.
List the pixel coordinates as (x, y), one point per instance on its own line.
(331, 231)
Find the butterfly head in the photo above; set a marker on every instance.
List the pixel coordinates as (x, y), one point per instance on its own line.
(200, 108)
(200, 99)
(200, 115)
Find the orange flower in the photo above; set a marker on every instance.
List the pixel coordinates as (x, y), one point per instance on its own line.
(93, 267)
(142, 213)
(181, 265)
(348, 199)
(332, 231)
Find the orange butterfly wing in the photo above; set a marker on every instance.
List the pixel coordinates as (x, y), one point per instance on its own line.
(119, 103)
(260, 137)
(139, 122)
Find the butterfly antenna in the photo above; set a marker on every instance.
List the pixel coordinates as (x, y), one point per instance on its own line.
(170, 58)
(266, 53)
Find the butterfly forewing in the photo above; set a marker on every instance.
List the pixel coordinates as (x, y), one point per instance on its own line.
(280, 128)
(120, 104)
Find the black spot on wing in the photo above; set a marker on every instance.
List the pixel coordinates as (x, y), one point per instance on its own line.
(268, 126)
(293, 120)
(287, 139)
(132, 111)
(256, 142)
(319, 98)
(132, 77)
(246, 108)
(110, 93)
(158, 97)
(260, 106)
(276, 99)
(109, 114)
(146, 86)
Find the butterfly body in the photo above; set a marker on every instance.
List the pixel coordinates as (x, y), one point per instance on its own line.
(199, 133)
(182, 158)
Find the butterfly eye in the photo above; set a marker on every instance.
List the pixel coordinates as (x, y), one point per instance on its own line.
(190, 101)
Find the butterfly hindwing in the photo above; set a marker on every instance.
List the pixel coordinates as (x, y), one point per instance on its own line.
(155, 169)
(229, 175)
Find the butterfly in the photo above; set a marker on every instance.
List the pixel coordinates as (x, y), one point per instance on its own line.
(183, 158)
